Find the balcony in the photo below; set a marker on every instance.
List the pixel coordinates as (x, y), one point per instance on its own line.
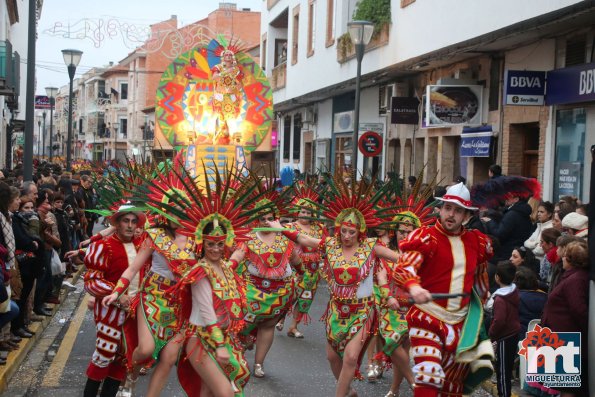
(346, 49)
(279, 76)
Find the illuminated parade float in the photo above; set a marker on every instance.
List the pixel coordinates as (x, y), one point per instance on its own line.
(216, 102)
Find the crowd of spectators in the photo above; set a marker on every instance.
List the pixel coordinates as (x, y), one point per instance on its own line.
(40, 221)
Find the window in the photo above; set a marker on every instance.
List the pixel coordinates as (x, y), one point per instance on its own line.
(343, 153)
(123, 91)
(286, 137)
(311, 27)
(280, 51)
(297, 137)
(571, 127)
(124, 128)
(330, 22)
(575, 50)
(295, 38)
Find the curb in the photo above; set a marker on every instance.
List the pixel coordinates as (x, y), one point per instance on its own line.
(16, 358)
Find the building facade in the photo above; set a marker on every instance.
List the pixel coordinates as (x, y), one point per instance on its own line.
(428, 47)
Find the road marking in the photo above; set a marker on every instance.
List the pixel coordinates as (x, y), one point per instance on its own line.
(54, 372)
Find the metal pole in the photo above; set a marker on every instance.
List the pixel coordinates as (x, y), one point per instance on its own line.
(116, 142)
(29, 106)
(43, 136)
(51, 128)
(359, 53)
(39, 139)
(71, 70)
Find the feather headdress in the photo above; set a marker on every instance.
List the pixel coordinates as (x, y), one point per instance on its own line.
(496, 190)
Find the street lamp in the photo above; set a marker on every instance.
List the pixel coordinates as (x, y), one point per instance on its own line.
(43, 136)
(51, 93)
(71, 59)
(39, 136)
(361, 33)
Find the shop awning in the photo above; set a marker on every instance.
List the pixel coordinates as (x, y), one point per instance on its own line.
(476, 141)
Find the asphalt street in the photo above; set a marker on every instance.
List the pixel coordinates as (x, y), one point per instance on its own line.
(56, 366)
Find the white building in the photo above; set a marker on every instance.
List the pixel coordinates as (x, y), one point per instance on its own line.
(431, 42)
(13, 81)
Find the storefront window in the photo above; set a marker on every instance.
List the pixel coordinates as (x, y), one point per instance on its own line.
(570, 152)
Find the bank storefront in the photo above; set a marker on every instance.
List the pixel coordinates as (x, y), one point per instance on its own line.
(571, 93)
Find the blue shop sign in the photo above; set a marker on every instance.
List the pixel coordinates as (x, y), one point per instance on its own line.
(476, 142)
(571, 85)
(524, 87)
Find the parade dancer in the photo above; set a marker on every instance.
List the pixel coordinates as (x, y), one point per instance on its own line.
(392, 325)
(270, 282)
(304, 204)
(211, 293)
(349, 266)
(450, 348)
(106, 260)
(156, 311)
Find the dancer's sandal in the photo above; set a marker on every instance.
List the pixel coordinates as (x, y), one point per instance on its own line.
(295, 333)
(258, 371)
(280, 325)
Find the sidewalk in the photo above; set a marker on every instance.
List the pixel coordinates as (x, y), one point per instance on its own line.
(16, 357)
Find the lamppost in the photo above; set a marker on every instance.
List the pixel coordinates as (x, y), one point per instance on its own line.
(43, 136)
(51, 93)
(361, 33)
(71, 59)
(39, 136)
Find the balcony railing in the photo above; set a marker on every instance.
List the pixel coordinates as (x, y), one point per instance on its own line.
(279, 76)
(346, 49)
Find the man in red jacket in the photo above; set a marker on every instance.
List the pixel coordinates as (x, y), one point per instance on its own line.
(106, 260)
(447, 258)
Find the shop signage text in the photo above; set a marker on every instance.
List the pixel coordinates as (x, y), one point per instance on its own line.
(476, 142)
(525, 87)
(575, 84)
(404, 110)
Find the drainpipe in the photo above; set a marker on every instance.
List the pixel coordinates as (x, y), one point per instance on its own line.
(501, 128)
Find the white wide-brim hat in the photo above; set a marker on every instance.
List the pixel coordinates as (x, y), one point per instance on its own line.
(125, 209)
(458, 194)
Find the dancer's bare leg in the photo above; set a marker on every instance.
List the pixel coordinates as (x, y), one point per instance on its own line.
(264, 341)
(214, 381)
(167, 359)
(350, 357)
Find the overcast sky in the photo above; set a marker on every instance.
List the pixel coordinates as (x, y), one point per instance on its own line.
(134, 14)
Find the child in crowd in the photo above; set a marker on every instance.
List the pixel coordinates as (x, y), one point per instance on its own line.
(532, 299)
(505, 327)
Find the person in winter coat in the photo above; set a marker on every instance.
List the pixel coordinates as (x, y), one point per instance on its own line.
(548, 245)
(514, 228)
(532, 300)
(545, 211)
(505, 325)
(567, 307)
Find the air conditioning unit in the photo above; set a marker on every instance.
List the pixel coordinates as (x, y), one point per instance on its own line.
(343, 122)
(308, 116)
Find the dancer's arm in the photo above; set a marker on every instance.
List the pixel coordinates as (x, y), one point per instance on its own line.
(301, 239)
(141, 258)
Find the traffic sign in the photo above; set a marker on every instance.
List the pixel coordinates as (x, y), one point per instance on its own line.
(370, 144)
